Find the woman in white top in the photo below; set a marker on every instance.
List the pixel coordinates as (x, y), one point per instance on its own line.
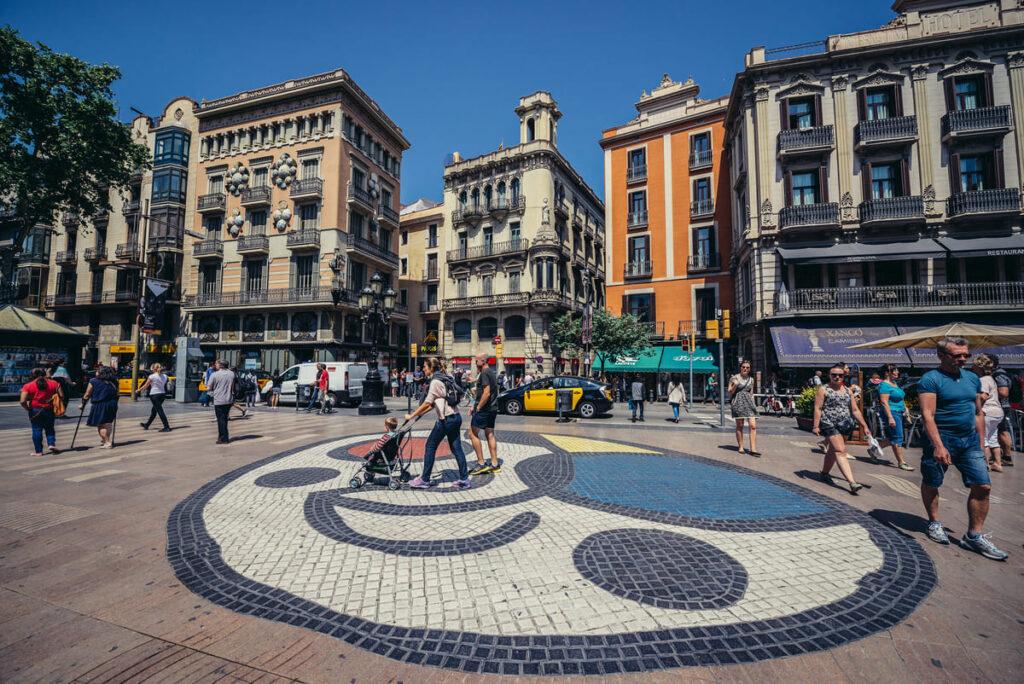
(676, 394)
(157, 385)
(984, 364)
(448, 425)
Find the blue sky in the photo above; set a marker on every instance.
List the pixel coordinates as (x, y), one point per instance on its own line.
(448, 73)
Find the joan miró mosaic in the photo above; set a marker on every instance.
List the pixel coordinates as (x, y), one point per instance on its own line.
(581, 557)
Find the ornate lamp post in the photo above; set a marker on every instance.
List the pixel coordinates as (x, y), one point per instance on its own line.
(376, 306)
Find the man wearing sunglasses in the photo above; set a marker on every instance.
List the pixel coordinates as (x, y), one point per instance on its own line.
(953, 429)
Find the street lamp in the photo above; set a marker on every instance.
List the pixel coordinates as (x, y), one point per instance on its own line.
(376, 306)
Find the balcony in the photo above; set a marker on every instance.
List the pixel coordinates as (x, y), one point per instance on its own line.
(132, 206)
(806, 141)
(253, 244)
(636, 219)
(711, 261)
(304, 239)
(95, 254)
(159, 243)
(257, 197)
(700, 159)
(66, 258)
(359, 196)
(207, 249)
(386, 214)
(34, 256)
(899, 130)
(983, 203)
(487, 301)
(379, 252)
(702, 207)
(101, 215)
(902, 209)
(69, 218)
(655, 329)
(972, 123)
(291, 295)
(637, 269)
(307, 188)
(809, 215)
(79, 298)
(215, 201)
(636, 173)
(577, 217)
(687, 328)
(429, 307)
(501, 206)
(470, 214)
(488, 251)
(998, 296)
(431, 273)
(562, 207)
(128, 251)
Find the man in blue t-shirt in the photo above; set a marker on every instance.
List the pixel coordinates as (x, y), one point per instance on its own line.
(953, 429)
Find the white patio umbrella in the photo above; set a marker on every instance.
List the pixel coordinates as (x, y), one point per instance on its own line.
(977, 336)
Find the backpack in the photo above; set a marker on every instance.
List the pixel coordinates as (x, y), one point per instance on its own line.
(454, 393)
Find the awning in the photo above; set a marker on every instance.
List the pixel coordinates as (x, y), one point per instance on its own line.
(15, 320)
(1009, 357)
(821, 347)
(862, 251)
(645, 362)
(984, 246)
(675, 360)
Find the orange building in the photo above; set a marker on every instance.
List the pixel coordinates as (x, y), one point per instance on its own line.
(668, 212)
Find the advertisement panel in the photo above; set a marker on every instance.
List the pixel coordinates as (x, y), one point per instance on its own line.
(798, 346)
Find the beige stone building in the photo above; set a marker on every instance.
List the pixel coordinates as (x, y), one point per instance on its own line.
(296, 204)
(524, 243)
(876, 184)
(421, 263)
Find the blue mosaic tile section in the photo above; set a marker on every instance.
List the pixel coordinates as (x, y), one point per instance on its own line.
(683, 487)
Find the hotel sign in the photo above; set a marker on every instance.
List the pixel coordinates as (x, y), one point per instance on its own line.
(963, 19)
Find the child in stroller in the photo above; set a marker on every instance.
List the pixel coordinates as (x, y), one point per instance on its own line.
(385, 458)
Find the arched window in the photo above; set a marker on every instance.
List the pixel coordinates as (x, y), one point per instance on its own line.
(488, 192)
(476, 198)
(462, 200)
(515, 327)
(501, 190)
(487, 328)
(514, 189)
(529, 130)
(463, 330)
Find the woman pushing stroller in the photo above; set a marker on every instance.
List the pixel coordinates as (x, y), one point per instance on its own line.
(448, 425)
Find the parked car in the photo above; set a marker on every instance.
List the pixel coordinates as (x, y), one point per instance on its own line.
(344, 381)
(589, 398)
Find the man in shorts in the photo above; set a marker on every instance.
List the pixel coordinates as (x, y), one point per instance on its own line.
(1005, 433)
(485, 410)
(953, 429)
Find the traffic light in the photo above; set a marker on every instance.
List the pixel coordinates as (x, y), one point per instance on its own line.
(711, 330)
(726, 324)
(684, 342)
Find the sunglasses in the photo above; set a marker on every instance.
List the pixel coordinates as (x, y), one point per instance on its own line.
(837, 375)
(957, 356)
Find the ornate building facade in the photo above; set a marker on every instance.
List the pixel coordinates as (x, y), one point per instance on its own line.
(296, 207)
(421, 263)
(876, 181)
(524, 243)
(666, 202)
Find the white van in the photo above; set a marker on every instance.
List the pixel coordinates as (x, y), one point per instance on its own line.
(344, 380)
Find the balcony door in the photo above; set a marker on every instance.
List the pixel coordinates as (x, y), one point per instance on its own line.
(704, 246)
(640, 305)
(705, 303)
(304, 272)
(639, 249)
(488, 241)
(463, 244)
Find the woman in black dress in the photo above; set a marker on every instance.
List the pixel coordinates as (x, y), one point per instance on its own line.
(103, 392)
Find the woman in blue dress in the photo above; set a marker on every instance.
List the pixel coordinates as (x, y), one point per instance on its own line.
(103, 392)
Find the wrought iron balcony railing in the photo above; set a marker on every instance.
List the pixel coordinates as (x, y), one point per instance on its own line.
(638, 269)
(897, 297)
(215, 201)
(690, 327)
(701, 158)
(429, 307)
(487, 251)
(164, 242)
(253, 243)
(881, 131)
(983, 120)
(636, 173)
(823, 214)
(308, 187)
(892, 209)
(115, 297)
(815, 138)
(290, 295)
(702, 207)
(359, 195)
(303, 238)
(69, 218)
(132, 206)
(636, 219)
(704, 261)
(372, 248)
(503, 204)
(210, 247)
(431, 273)
(388, 214)
(257, 196)
(128, 250)
(66, 257)
(97, 253)
(483, 301)
(998, 201)
(656, 329)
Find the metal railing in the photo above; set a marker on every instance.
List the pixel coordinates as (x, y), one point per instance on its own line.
(891, 297)
(550, 297)
(66, 257)
(891, 208)
(636, 219)
(303, 238)
(165, 242)
(69, 217)
(978, 120)
(882, 130)
(35, 256)
(815, 47)
(257, 195)
(814, 137)
(128, 250)
(372, 248)
(307, 187)
(507, 299)
(704, 261)
(388, 214)
(253, 243)
(700, 158)
(746, 313)
(359, 195)
(97, 253)
(431, 273)
(1000, 200)
(215, 200)
(276, 296)
(693, 327)
(492, 250)
(822, 214)
(655, 329)
(209, 247)
(702, 207)
(116, 297)
(132, 206)
(637, 269)
(636, 173)
(429, 307)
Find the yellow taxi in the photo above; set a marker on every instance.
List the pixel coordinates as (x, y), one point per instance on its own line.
(589, 397)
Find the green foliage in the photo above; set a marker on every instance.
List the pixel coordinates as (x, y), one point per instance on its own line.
(61, 145)
(805, 402)
(611, 335)
(566, 332)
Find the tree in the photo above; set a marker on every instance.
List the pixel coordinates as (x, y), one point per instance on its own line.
(565, 334)
(611, 335)
(62, 145)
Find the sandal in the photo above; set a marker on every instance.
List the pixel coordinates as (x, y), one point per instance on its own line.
(755, 453)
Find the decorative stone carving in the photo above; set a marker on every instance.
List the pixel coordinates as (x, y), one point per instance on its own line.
(767, 217)
(919, 72)
(928, 195)
(839, 83)
(761, 92)
(282, 215)
(967, 66)
(879, 78)
(237, 179)
(284, 170)
(178, 114)
(801, 88)
(846, 207)
(1015, 60)
(304, 327)
(545, 213)
(235, 222)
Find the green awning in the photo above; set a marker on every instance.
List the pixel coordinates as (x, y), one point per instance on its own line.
(675, 360)
(645, 362)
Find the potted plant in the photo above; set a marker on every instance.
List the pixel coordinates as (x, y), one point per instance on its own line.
(805, 409)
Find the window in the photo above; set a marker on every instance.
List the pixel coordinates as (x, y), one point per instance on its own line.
(488, 195)
(474, 198)
(700, 143)
(639, 248)
(259, 178)
(169, 185)
(514, 189)
(968, 92)
(403, 297)
(255, 271)
(358, 178)
(209, 278)
(805, 188)
(976, 173)
(704, 244)
(355, 223)
(879, 104)
(304, 271)
(462, 200)
(640, 306)
(405, 237)
(212, 224)
(310, 216)
(513, 281)
(432, 235)
(404, 266)
(385, 197)
(488, 285)
(432, 266)
(356, 275)
(215, 184)
(885, 181)
(637, 159)
(800, 112)
(463, 244)
(702, 190)
(127, 322)
(463, 330)
(310, 169)
(515, 328)
(257, 222)
(530, 130)
(513, 232)
(462, 286)
(487, 328)
(97, 284)
(637, 202)
(488, 236)
(432, 296)
(37, 245)
(171, 147)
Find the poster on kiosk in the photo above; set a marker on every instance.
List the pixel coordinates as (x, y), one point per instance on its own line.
(151, 308)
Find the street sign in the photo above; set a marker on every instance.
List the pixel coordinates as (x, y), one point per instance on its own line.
(540, 360)
(497, 350)
(497, 340)
(412, 349)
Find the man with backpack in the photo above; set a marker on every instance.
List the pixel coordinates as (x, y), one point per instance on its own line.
(1010, 392)
(443, 396)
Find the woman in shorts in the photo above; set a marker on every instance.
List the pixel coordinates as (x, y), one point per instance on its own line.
(835, 416)
(891, 410)
(984, 364)
(275, 389)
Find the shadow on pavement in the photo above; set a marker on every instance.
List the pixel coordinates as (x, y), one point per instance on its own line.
(118, 444)
(241, 437)
(901, 521)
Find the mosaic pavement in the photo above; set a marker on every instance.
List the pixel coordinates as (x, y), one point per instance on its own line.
(580, 557)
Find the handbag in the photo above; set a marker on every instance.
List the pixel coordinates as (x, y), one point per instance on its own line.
(847, 426)
(59, 409)
(169, 386)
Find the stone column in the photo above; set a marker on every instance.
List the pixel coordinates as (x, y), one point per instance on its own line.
(844, 150)
(919, 76)
(1015, 63)
(765, 161)
(204, 146)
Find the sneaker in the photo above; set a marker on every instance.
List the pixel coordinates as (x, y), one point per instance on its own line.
(481, 469)
(825, 477)
(855, 487)
(982, 545)
(420, 483)
(936, 533)
(461, 484)
(144, 426)
(905, 466)
(166, 429)
(495, 468)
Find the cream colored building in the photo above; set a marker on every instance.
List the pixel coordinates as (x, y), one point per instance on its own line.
(421, 263)
(524, 243)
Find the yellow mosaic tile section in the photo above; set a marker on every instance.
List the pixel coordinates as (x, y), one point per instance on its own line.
(581, 445)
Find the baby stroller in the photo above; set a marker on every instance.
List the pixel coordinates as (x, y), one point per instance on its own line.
(391, 460)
